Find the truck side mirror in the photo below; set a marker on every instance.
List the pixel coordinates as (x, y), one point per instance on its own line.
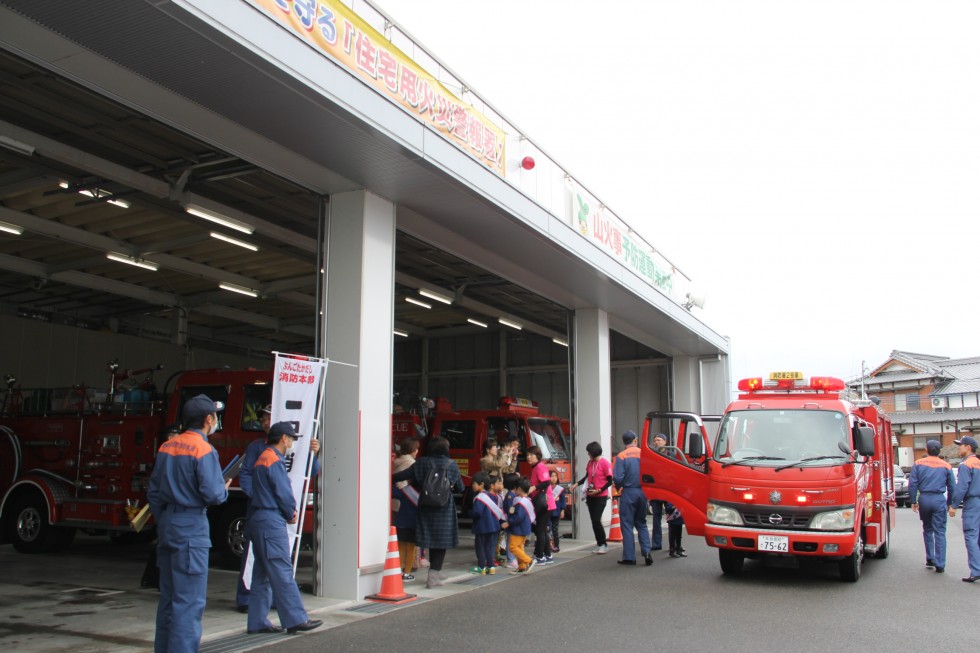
(695, 445)
(864, 440)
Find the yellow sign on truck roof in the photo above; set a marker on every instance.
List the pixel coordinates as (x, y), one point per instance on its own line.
(777, 376)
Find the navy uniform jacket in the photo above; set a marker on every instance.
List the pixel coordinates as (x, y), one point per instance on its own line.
(186, 474)
(931, 475)
(967, 480)
(252, 453)
(271, 489)
(626, 471)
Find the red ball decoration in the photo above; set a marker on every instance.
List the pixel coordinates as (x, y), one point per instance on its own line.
(527, 163)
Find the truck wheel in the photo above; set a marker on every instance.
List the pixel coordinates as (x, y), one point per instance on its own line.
(731, 561)
(850, 567)
(882, 551)
(27, 527)
(228, 535)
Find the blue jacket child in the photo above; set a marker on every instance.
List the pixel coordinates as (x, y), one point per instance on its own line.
(520, 516)
(486, 514)
(675, 530)
(408, 506)
(486, 524)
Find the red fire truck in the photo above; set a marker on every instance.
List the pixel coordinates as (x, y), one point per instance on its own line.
(468, 430)
(77, 458)
(797, 469)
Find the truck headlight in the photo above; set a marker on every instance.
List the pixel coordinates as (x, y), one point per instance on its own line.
(835, 520)
(722, 515)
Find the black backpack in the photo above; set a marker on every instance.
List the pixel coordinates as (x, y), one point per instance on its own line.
(436, 490)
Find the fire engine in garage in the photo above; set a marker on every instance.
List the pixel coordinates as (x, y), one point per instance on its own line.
(77, 458)
(468, 430)
(797, 468)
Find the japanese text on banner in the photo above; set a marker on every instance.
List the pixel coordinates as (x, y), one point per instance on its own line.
(335, 30)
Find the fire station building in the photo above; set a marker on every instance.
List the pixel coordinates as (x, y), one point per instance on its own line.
(199, 183)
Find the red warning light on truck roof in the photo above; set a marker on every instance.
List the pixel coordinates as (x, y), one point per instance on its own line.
(791, 381)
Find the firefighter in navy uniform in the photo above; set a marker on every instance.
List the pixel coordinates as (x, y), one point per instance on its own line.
(272, 506)
(931, 493)
(632, 501)
(968, 493)
(186, 480)
(252, 453)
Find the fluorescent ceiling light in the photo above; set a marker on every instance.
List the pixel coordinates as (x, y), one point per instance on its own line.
(97, 193)
(436, 296)
(224, 221)
(398, 332)
(17, 146)
(129, 260)
(560, 341)
(240, 243)
(476, 322)
(417, 302)
(513, 325)
(11, 228)
(241, 290)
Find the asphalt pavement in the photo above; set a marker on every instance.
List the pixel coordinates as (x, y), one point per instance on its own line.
(589, 603)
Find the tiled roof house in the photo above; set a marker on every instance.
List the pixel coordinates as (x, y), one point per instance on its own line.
(926, 396)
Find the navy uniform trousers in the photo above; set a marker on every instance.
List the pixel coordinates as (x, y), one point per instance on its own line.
(932, 512)
(633, 514)
(183, 545)
(273, 569)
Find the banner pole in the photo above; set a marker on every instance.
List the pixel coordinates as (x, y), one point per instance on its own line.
(309, 464)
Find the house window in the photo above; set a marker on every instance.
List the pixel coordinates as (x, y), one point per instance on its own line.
(955, 401)
(919, 442)
(911, 402)
(899, 403)
(970, 401)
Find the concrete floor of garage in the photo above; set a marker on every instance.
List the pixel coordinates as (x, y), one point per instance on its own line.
(88, 598)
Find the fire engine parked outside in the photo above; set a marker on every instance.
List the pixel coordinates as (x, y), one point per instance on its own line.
(797, 469)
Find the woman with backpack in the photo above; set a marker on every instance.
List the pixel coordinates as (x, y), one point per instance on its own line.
(436, 477)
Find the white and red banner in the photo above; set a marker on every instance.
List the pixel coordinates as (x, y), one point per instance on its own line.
(297, 394)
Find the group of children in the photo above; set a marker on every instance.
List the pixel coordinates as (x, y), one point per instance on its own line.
(503, 516)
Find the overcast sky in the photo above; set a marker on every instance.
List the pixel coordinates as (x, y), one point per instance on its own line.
(814, 167)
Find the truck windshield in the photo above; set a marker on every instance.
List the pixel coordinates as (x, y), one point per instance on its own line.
(548, 435)
(778, 437)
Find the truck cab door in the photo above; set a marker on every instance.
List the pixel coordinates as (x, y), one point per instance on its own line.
(678, 472)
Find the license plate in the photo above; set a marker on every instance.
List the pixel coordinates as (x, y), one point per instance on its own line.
(774, 543)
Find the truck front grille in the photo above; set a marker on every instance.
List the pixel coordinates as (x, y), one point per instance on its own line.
(775, 519)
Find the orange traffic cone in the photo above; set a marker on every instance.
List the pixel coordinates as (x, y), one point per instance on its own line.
(615, 532)
(391, 580)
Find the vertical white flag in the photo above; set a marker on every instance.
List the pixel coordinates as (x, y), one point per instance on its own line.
(297, 391)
